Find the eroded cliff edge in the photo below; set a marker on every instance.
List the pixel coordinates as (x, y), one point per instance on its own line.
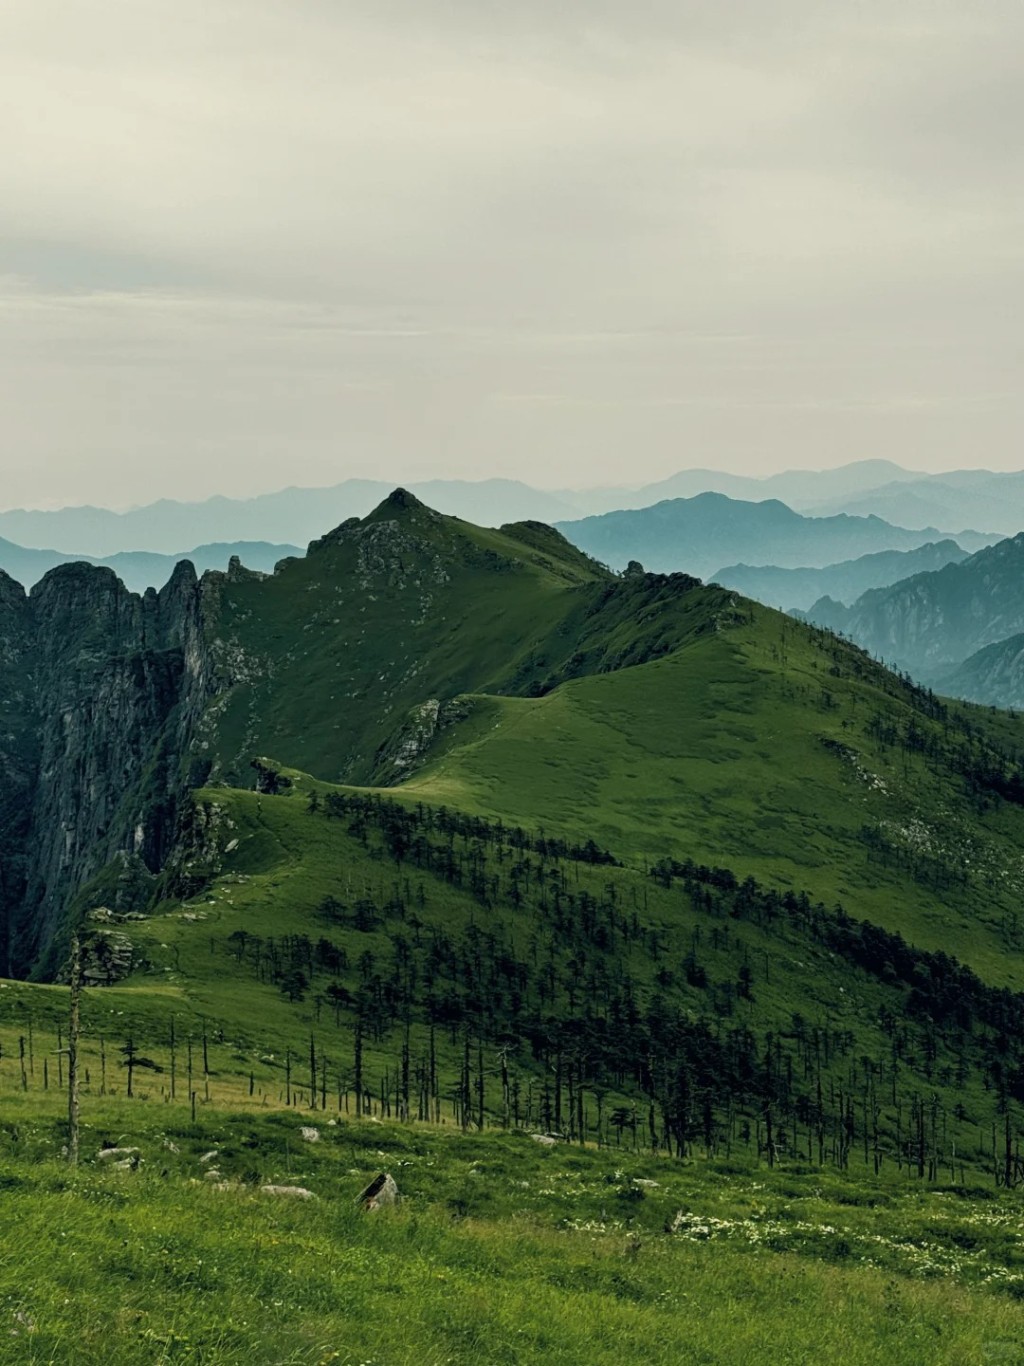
(100, 693)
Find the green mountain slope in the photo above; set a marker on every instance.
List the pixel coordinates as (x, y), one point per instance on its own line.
(787, 754)
(326, 663)
(504, 672)
(412, 962)
(609, 851)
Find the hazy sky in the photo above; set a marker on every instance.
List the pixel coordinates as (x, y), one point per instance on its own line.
(245, 243)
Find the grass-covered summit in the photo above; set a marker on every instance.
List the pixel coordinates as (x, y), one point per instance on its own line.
(324, 663)
(503, 672)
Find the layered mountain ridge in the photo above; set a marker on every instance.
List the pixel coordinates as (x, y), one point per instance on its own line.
(500, 673)
(844, 582)
(931, 623)
(699, 534)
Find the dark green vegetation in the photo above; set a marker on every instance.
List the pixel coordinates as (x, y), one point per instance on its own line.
(440, 966)
(700, 534)
(444, 826)
(799, 589)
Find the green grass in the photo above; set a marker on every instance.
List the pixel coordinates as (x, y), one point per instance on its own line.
(279, 861)
(501, 1252)
(717, 752)
(659, 719)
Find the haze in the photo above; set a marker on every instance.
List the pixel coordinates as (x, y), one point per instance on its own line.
(252, 244)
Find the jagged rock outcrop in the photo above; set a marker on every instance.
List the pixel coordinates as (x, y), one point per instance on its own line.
(405, 751)
(100, 691)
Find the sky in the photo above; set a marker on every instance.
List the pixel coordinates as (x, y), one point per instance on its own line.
(245, 244)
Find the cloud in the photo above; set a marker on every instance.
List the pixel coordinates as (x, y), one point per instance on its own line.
(247, 242)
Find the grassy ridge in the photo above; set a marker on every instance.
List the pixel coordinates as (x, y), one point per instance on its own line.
(755, 747)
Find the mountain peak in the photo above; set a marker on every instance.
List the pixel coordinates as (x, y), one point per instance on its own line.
(400, 500)
(399, 503)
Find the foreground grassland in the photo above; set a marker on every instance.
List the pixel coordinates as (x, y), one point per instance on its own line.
(502, 1251)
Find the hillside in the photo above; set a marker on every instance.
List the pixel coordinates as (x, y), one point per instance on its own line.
(442, 837)
(932, 622)
(699, 534)
(790, 589)
(503, 1250)
(339, 662)
(501, 672)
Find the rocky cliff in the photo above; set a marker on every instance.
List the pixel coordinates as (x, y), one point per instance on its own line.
(100, 693)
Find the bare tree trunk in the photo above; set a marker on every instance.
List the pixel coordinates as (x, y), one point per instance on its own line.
(74, 1016)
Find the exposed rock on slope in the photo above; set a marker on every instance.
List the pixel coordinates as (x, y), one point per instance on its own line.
(101, 689)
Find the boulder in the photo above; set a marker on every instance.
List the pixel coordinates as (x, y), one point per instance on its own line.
(381, 1191)
(290, 1192)
(116, 1154)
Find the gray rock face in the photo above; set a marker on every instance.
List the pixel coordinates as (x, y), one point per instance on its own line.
(382, 1191)
(100, 692)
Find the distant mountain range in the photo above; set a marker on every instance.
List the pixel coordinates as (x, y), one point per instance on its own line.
(963, 499)
(844, 582)
(140, 569)
(931, 623)
(294, 515)
(697, 534)
(993, 676)
(983, 499)
(798, 488)
(976, 498)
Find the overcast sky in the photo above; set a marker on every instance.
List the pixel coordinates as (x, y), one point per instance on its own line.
(245, 243)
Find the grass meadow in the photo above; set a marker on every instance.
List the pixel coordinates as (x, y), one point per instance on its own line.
(503, 1250)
